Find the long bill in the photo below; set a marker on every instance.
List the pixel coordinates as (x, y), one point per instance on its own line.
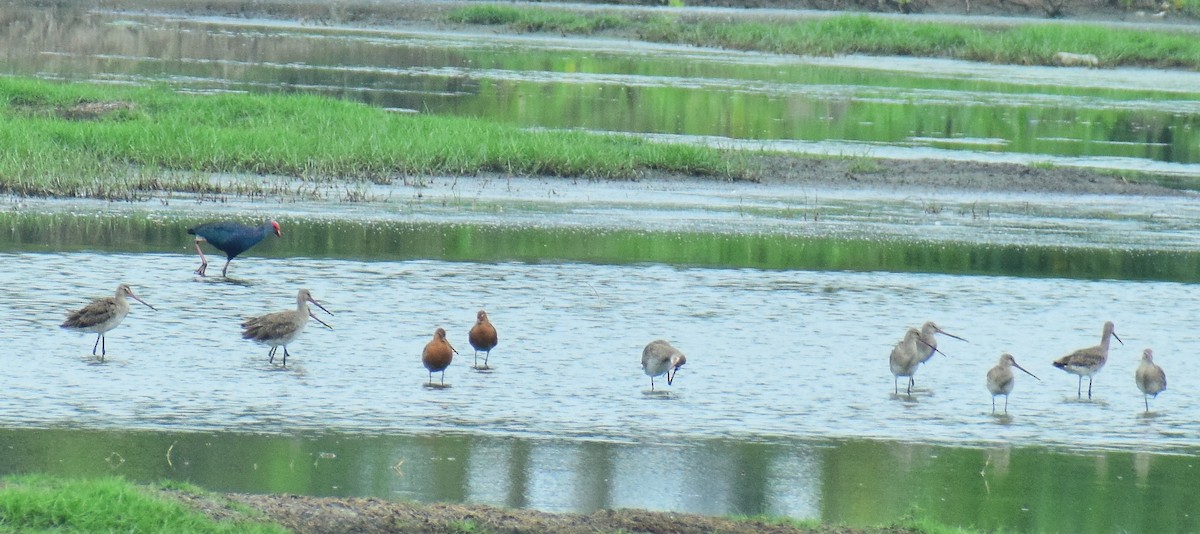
(935, 349)
(1026, 372)
(945, 333)
(314, 301)
(135, 297)
(311, 314)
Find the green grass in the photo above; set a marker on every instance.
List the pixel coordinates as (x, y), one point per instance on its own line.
(45, 504)
(863, 34)
(151, 139)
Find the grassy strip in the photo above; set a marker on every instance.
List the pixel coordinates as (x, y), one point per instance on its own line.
(862, 34)
(38, 503)
(104, 141)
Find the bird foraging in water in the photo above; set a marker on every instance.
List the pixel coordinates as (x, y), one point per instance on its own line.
(230, 237)
(437, 355)
(1000, 379)
(1150, 378)
(659, 358)
(280, 328)
(1089, 361)
(930, 341)
(483, 337)
(102, 315)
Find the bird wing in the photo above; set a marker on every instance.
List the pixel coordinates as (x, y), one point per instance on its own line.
(94, 313)
(270, 326)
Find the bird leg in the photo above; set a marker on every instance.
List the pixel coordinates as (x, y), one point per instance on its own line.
(97, 344)
(1079, 389)
(285, 355)
(1089, 386)
(993, 405)
(1147, 399)
(203, 260)
(271, 355)
(485, 357)
(1005, 404)
(476, 358)
(911, 383)
(225, 269)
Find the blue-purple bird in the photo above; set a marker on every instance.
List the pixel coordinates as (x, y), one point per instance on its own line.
(230, 237)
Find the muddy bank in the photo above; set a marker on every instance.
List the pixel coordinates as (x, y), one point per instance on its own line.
(323, 515)
(944, 175)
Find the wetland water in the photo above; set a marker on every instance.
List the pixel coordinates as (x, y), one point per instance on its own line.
(786, 301)
(785, 406)
(891, 107)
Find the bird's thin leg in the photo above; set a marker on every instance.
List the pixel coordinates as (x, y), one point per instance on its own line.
(895, 385)
(103, 349)
(652, 383)
(911, 382)
(225, 270)
(993, 405)
(443, 377)
(485, 357)
(285, 355)
(1006, 405)
(97, 344)
(1089, 386)
(1079, 388)
(1147, 399)
(431, 378)
(271, 354)
(203, 260)
(476, 358)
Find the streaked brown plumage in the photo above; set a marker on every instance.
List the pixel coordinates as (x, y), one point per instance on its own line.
(102, 315)
(437, 355)
(1089, 361)
(659, 358)
(483, 337)
(280, 328)
(1151, 379)
(906, 357)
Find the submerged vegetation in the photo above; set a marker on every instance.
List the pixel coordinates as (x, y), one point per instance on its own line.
(111, 142)
(864, 34)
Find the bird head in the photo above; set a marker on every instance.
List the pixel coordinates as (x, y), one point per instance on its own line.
(275, 227)
(677, 361)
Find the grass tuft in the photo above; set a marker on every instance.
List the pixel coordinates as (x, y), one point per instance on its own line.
(39, 503)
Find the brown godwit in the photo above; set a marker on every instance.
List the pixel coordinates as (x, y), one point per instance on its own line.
(437, 355)
(102, 315)
(482, 337)
(1150, 378)
(280, 328)
(659, 358)
(1000, 379)
(930, 341)
(1089, 361)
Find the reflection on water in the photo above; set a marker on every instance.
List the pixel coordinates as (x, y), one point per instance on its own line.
(620, 87)
(847, 481)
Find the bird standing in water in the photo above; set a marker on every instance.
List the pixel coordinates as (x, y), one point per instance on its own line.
(230, 237)
(659, 358)
(437, 355)
(1089, 361)
(102, 315)
(1150, 378)
(1000, 379)
(483, 337)
(280, 328)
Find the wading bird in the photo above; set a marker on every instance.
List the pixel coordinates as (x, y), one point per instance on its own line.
(1000, 379)
(1150, 378)
(230, 237)
(659, 358)
(906, 357)
(483, 337)
(280, 328)
(102, 315)
(437, 355)
(1089, 361)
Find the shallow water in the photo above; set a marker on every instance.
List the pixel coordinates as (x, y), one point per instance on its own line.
(851, 482)
(1136, 119)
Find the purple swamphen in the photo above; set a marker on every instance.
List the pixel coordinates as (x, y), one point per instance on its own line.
(230, 237)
